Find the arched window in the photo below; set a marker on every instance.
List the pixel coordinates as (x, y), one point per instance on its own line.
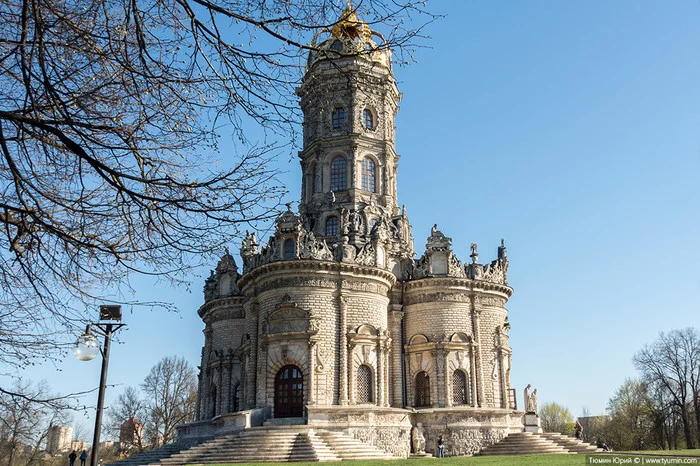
(367, 118)
(338, 117)
(422, 389)
(236, 401)
(289, 249)
(459, 388)
(368, 177)
(338, 174)
(332, 226)
(364, 384)
(213, 401)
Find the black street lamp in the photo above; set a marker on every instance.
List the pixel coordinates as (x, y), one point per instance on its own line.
(86, 349)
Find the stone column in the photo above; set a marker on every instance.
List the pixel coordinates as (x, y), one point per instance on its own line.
(343, 349)
(226, 401)
(352, 389)
(440, 377)
(448, 379)
(502, 355)
(472, 377)
(396, 369)
(434, 381)
(380, 372)
(198, 416)
(386, 349)
(477, 353)
(261, 375)
(252, 357)
(220, 392)
(311, 399)
(207, 406)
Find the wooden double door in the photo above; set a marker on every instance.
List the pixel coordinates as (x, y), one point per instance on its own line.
(289, 392)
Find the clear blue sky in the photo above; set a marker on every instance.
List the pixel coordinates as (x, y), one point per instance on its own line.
(571, 129)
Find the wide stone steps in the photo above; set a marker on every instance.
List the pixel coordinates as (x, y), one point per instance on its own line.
(265, 444)
(348, 448)
(150, 456)
(572, 444)
(523, 443)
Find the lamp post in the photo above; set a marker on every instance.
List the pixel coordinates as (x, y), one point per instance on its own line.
(86, 349)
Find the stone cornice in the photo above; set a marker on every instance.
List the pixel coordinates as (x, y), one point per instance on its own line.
(218, 303)
(331, 269)
(446, 284)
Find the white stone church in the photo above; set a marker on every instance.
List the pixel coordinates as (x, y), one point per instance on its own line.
(333, 323)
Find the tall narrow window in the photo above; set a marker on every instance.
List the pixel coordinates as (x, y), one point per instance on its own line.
(289, 249)
(332, 226)
(422, 389)
(236, 401)
(368, 118)
(338, 117)
(368, 178)
(364, 384)
(338, 174)
(459, 388)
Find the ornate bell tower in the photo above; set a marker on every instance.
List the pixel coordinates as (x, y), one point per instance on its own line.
(349, 99)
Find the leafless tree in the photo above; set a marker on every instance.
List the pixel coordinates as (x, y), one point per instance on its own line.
(672, 364)
(111, 114)
(128, 407)
(171, 396)
(26, 413)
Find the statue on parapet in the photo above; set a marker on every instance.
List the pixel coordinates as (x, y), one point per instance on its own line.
(530, 400)
(526, 397)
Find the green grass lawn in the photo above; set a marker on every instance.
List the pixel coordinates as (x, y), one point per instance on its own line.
(663, 452)
(524, 460)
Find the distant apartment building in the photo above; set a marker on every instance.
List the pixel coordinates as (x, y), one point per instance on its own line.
(59, 439)
(130, 433)
(78, 445)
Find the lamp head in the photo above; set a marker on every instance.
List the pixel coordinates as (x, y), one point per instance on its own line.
(86, 347)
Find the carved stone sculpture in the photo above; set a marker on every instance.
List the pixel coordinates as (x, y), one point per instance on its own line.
(532, 402)
(418, 439)
(526, 397)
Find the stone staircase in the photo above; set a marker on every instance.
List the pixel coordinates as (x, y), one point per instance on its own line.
(264, 444)
(572, 444)
(528, 443)
(523, 443)
(150, 456)
(349, 448)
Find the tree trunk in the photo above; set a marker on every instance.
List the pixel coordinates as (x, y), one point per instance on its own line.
(687, 428)
(696, 406)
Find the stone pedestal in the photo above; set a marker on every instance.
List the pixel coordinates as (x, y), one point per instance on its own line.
(532, 423)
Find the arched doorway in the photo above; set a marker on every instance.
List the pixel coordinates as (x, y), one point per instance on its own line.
(422, 390)
(289, 392)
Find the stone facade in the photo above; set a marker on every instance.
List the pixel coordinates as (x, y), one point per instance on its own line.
(333, 321)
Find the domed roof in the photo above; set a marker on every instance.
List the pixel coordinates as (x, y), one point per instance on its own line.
(350, 36)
